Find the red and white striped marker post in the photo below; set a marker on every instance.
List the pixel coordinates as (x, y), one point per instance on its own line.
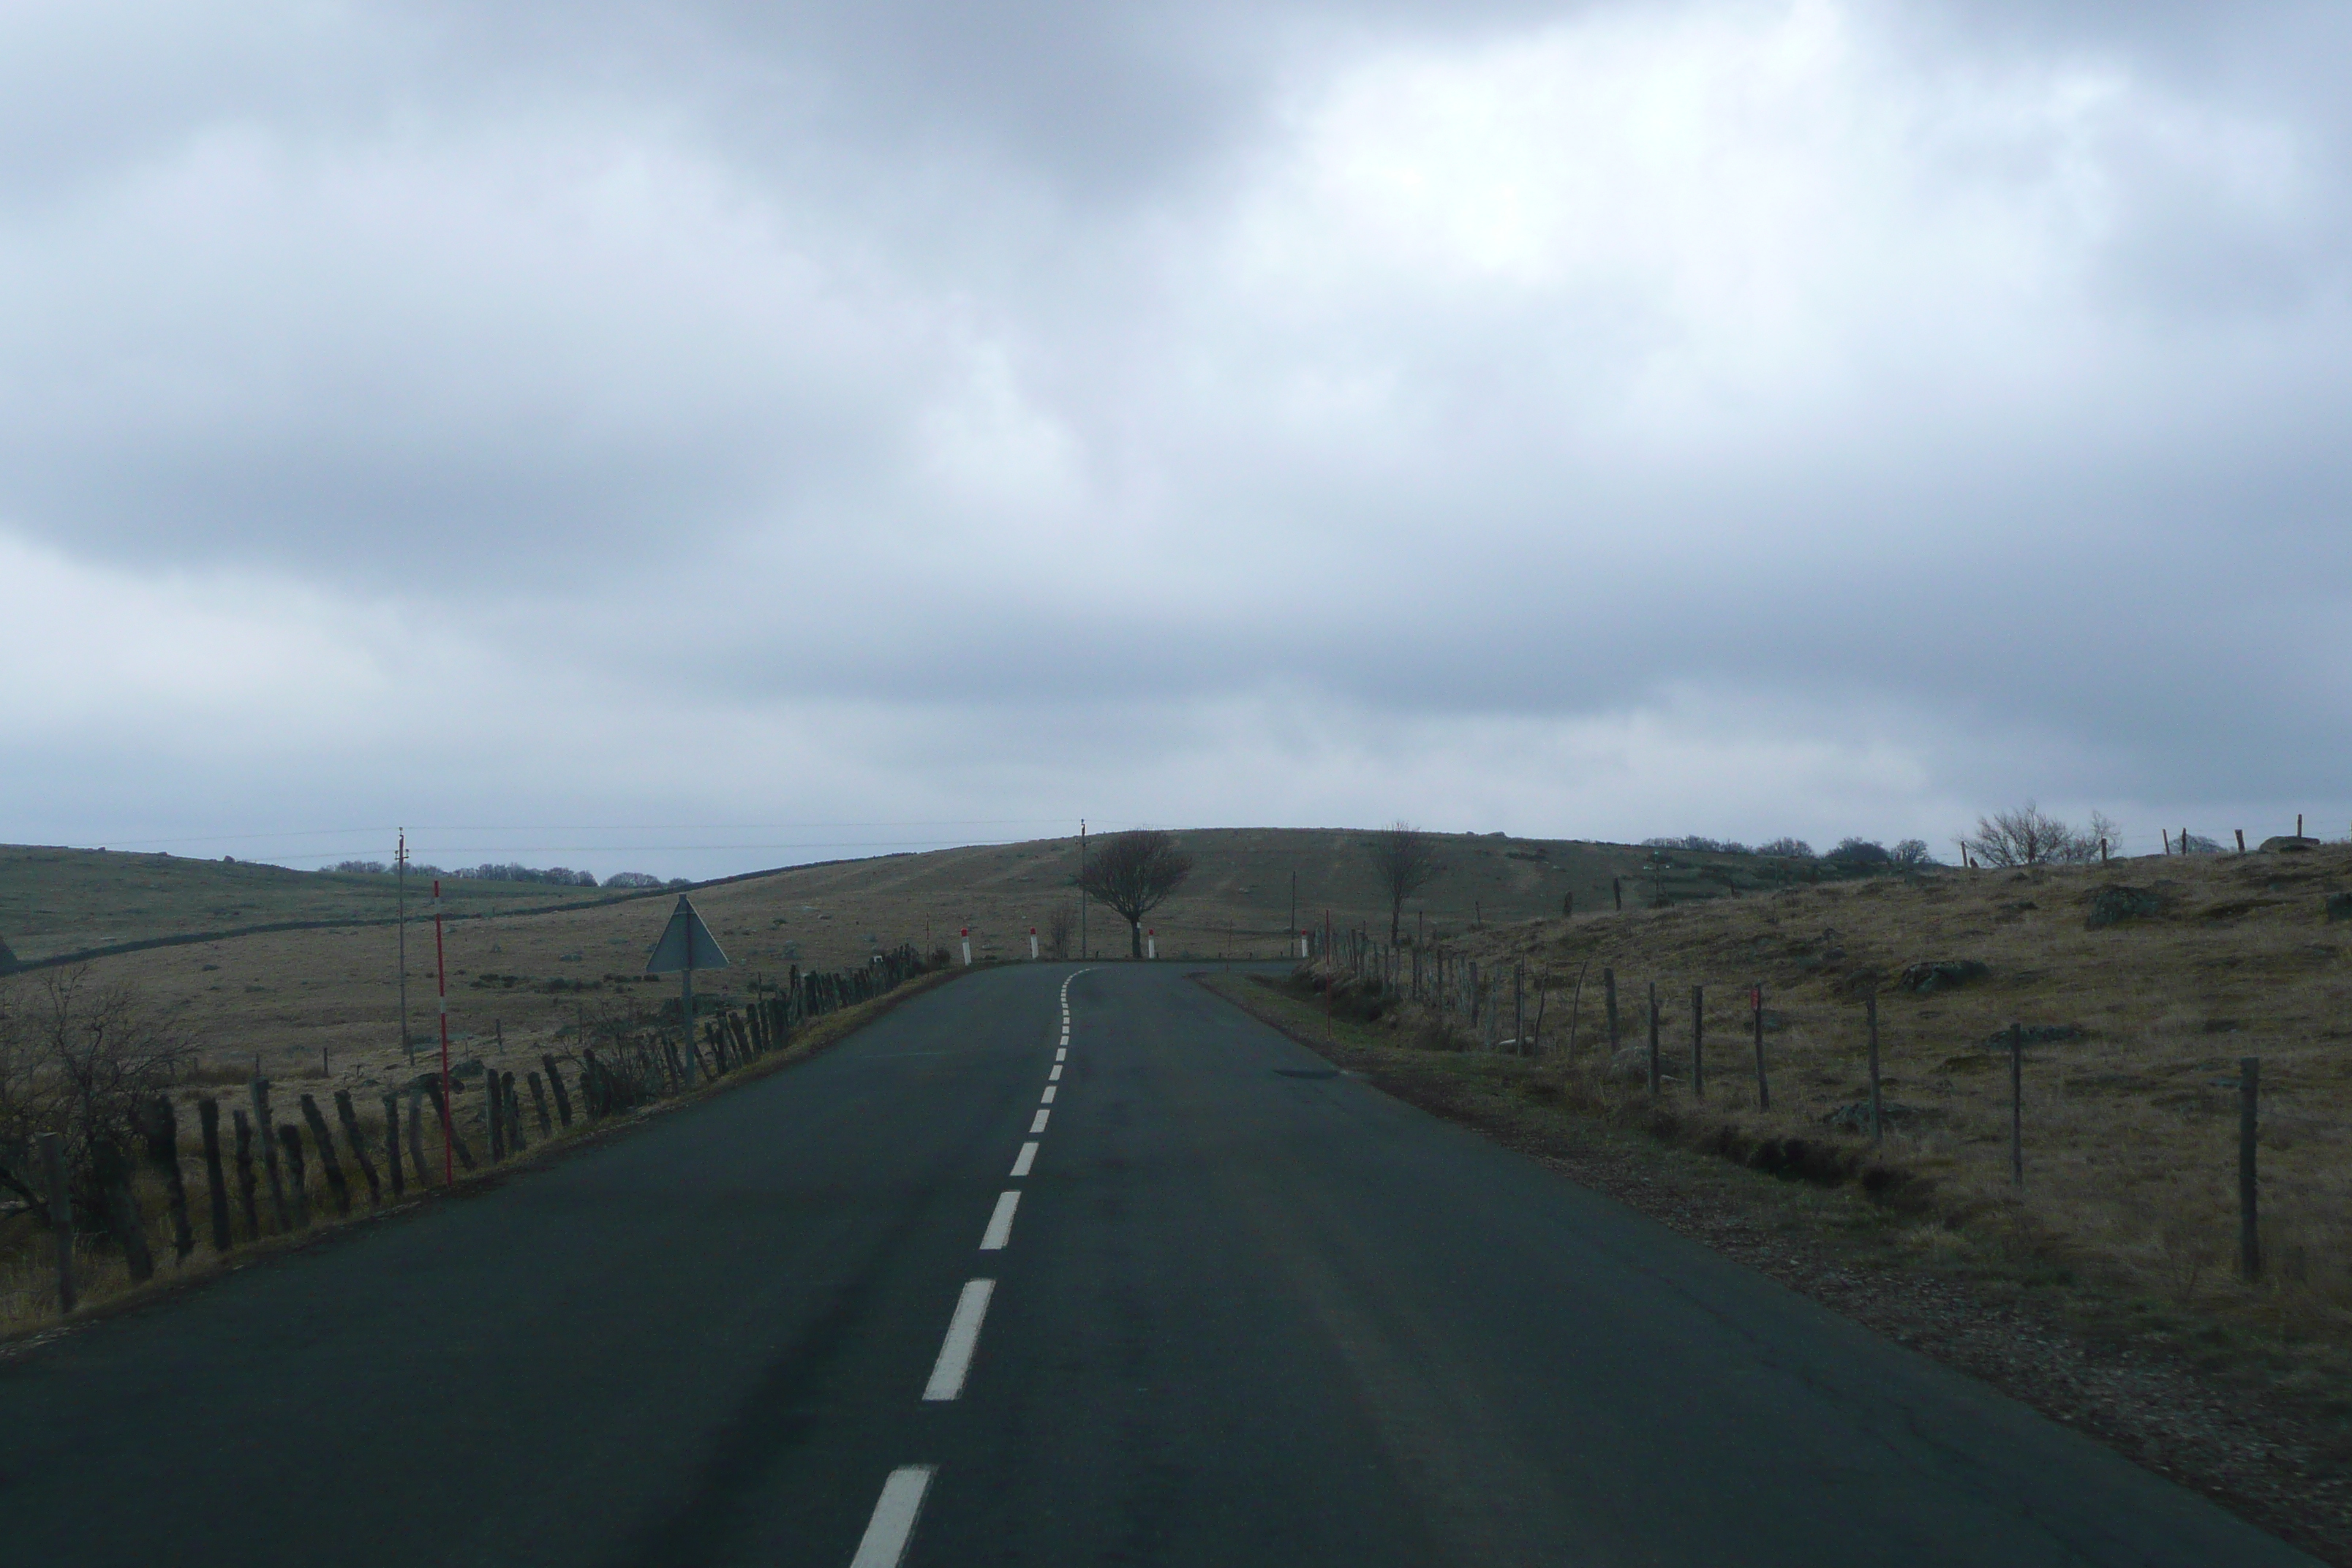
(967, 947)
(1151, 944)
(441, 981)
(1032, 944)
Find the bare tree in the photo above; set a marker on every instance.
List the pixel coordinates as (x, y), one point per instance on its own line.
(2029, 835)
(1404, 861)
(1060, 927)
(84, 1060)
(1133, 873)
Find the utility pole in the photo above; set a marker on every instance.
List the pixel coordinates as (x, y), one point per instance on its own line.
(1082, 888)
(400, 862)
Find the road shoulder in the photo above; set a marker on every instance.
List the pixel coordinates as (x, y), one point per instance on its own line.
(1895, 1273)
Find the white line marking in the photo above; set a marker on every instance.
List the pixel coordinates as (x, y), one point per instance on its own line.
(894, 1517)
(1000, 1224)
(1062, 1055)
(963, 1338)
(1049, 1095)
(1056, 1076)
(1037, 1125)
(1028, 1158)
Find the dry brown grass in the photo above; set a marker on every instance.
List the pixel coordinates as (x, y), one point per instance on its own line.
(2130, 1131)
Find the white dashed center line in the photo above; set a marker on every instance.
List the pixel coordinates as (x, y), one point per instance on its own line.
(1028, 1158)
(894, 1517)
(1037, 1123)
(1056, 1076)
(1062, 1055)
(1050, 1091)
(963, 1338)
(1000, 1224)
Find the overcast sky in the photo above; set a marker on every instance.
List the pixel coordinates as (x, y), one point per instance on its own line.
(693, 437)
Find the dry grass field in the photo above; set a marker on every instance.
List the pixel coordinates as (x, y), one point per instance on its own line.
(2130, 1093)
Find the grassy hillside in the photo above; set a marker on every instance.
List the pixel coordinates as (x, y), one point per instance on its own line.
(55, 900)
(2143, 985)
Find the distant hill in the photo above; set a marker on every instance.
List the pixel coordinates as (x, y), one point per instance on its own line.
(55, 900)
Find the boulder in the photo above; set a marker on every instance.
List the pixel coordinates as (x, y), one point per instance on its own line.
(2339, 908)
(1944, 975)
(2114, 904)
(2288, 844)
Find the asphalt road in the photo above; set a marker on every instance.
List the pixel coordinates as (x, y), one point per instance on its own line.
(1242, 1312)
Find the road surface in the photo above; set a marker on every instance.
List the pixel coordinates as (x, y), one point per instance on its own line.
(1241, 1311)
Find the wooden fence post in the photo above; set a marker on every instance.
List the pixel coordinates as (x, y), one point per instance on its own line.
(1658, 1071)
(1699, 1042)
(208, 1119)
(555, 1083)
(1763, 1085)
(512, 1099)
(2017, 1104)
(1518, 1007)
(246, 1185)
(289, 1139)
(329, 1166)
(111, 1174)
(458, 1144)
(1870, 1016)
(494, 1109)
(265, 1128)
(1609, 999)
(53, 1167)
(539, 1104)
(417, 1165)
(159, 1128)
(2250, 1237)
(392, 1145)
(352, 1135)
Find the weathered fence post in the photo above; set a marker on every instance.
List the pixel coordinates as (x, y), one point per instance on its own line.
(392, 1145)
(555, 1084)
(494, 1109)
(2250, 1238)
(246, 1185)
(209, 1121)
(457, 1145)
(539, 1104)
(1518, 1008)
(516, 1141)
(2017, 1104)
(1609, 999)
(329, 1166)
(417, 1165)
(1763, 1084)
(1870, 1018)
(53, 1169)
(1657, 1069)
(1699, 1042)
(289, 1139)
(352, 1135)
(265, 1128)
(159, 1128)
(111, 1174)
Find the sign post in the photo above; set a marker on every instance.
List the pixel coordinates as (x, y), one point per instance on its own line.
(686, 945)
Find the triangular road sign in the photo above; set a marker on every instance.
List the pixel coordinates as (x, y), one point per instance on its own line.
(686, 944)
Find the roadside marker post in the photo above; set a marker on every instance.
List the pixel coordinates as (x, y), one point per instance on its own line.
(967, 947)
(686, 945)
(441, 982)
(1151, 944)
(1032, 944)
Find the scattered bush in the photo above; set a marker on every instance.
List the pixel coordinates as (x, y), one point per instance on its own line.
(633, 880)
(2028, 835)
(1787, 848)
(557, 876)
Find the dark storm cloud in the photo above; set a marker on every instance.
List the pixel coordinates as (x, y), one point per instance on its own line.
(1795, 415)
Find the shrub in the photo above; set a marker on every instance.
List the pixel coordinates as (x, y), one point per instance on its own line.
(1787, 848)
